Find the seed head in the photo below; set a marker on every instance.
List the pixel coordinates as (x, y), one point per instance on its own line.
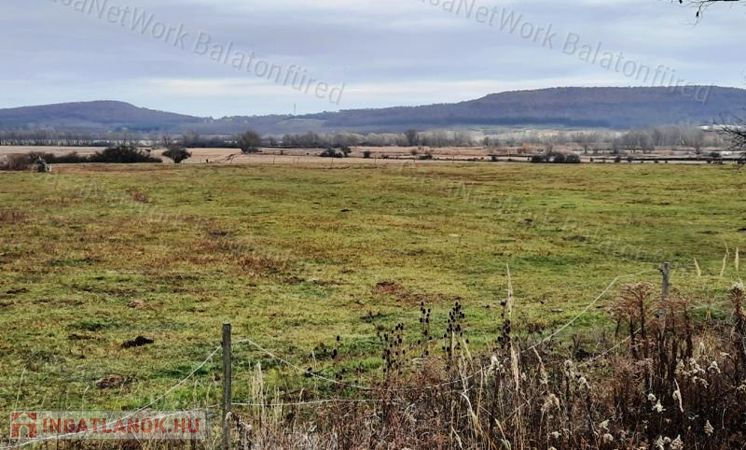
(709, 429)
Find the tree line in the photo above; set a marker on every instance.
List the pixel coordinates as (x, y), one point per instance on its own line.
(589, 142)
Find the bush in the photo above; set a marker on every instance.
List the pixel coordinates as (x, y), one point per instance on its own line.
(177, 153)
(249, 142)
(559, 158)
(556, 158)
(16, 163)
(70, 158)
(333, 153)
(123, 154)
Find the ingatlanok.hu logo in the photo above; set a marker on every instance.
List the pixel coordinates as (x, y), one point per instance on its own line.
(97, 425)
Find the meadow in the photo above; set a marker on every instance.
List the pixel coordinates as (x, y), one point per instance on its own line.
(295, 255)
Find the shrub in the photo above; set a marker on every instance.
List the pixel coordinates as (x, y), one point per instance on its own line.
(177, 153)
(70, 158)
(559, 158)
(16, 163)
(249, 142)
(556, 158)
(123, 154)
(51, 158)
(331, 152)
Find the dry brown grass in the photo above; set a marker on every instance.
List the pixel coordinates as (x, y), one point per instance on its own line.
(679, 384)
(12, 216)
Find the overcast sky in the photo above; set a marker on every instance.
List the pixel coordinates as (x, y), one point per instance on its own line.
(384, 52)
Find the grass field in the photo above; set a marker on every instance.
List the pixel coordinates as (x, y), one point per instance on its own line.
(293, 256)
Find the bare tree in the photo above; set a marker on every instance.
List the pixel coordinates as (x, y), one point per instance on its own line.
(166, 140)
(191, 139)
(701, 5)
(412, 137)
(249, 141)
(736, 134)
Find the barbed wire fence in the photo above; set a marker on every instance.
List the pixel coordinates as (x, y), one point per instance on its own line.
(227, 346)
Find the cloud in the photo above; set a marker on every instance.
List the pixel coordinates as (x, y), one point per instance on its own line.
(387, 52)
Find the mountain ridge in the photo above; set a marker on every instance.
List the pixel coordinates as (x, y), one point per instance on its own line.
(582, 107)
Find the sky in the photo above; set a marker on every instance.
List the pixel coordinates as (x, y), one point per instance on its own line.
(254, 57)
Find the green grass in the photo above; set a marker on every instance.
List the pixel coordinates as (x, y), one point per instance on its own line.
(292, 257)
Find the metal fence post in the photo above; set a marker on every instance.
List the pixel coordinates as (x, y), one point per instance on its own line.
(227, 388)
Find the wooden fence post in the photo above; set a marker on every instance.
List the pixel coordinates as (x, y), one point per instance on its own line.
(227, 388)
(665, 270)
(666, 273)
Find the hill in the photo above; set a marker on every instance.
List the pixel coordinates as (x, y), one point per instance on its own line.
(97, 115)
(618, 108)
(573, 107)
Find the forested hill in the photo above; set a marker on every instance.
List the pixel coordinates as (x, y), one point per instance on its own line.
(619, 108)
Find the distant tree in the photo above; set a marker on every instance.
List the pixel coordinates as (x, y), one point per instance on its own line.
(413, 137)
(177, 153)
(584, 140)
(736, 136)
(310, 140)
(462, 139)
(249, 141)
(191, 139)
(166, 141)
